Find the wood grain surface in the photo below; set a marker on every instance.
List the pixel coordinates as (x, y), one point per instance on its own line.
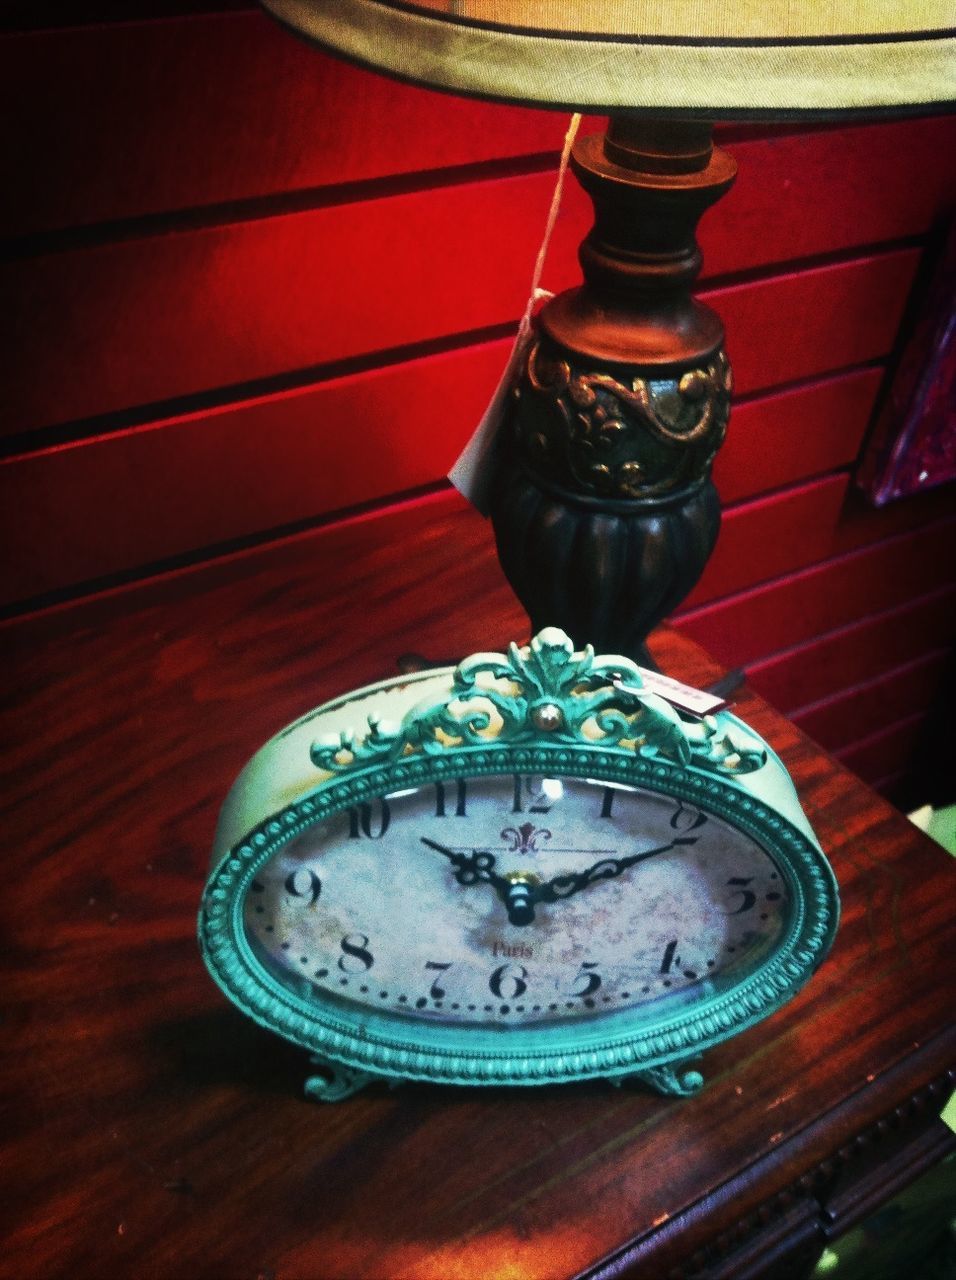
(152, 1132)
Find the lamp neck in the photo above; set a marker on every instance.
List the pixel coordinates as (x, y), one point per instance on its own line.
(649, 181)
(658, 146)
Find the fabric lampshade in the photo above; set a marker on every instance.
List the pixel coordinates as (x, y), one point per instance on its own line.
(755, 58)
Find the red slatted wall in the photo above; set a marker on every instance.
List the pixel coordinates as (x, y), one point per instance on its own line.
(249, 291)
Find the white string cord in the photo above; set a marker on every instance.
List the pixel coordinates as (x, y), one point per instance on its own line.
(537, 293)
(471, 474)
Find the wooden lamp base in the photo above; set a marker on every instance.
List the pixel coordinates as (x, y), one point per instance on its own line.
(603, 508)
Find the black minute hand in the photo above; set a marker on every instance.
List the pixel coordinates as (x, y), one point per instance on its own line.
(521, 894)
(564, 886)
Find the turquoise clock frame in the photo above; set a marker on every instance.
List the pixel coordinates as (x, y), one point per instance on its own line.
(541, 710)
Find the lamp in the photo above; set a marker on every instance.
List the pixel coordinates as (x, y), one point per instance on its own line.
(603, 506)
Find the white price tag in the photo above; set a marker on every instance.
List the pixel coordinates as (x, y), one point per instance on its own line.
(684, 696)
(473, 473)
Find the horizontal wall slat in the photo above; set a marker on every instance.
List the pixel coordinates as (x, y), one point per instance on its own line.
(228, 107)
(443, 516)
(210, 478)
(820, 320)
(806, 194)
(141, 321)
(885, 753)
(771, 536)
(216, 109)
(755, 624)
(863, 524)
(844, 718)
(144, 320)
(856, 653)
(803, 432)
(841, 720)
(201, 479)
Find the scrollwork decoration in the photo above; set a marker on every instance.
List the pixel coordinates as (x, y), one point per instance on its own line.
(545, 691)
(634, 437)
(673, 1078)
(335, 1080)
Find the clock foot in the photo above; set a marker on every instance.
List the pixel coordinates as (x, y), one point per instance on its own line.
(676, 1080)
(336, 1081)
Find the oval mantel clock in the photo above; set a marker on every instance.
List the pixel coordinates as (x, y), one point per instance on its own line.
(524, 870)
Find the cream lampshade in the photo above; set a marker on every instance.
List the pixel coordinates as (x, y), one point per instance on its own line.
(603, 506)
(752, 56)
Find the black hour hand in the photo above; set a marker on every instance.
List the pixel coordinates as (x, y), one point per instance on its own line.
(478, 867)
(470, 868)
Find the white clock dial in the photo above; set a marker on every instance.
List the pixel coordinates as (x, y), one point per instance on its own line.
(368, 907)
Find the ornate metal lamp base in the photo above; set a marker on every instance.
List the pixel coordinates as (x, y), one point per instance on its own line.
(604, 510)
(607, 569)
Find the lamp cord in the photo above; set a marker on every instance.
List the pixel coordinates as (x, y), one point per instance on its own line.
(538, 294)
(472, 473)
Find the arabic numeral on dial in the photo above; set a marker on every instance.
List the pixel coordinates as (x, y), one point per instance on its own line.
(670, 957)
(364, 822)
(303, 883)
(442, 799)
(748, 899)
(435, 991)
(590, 980)
(529, 788)
(509, 981)
(356, 957)
(687, 818)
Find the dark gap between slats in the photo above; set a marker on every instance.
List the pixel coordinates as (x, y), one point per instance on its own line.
(275, 204)
(199, 556)
(41, 438)
(54, 15)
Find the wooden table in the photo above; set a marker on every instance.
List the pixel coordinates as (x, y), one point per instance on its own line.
(151, 1131)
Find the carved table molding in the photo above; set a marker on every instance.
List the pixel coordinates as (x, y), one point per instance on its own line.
(786, 1233)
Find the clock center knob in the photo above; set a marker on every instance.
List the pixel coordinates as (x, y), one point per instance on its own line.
(519, 899)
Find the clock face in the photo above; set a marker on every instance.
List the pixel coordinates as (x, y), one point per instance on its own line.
(516, 900)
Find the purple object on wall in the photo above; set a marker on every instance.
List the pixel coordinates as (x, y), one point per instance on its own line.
(913, 445)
